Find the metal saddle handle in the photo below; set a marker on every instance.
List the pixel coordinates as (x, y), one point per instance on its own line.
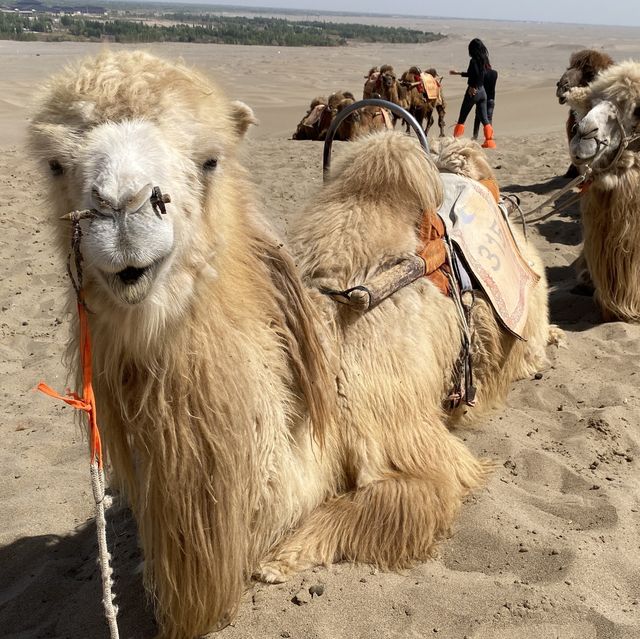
(385, 104)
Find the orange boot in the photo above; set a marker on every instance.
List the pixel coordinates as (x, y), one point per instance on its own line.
(458, 130)
(489, 142)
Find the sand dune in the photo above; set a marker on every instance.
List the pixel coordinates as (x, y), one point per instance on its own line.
(551, 546)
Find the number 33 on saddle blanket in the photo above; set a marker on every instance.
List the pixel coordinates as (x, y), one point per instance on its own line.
(479, 230)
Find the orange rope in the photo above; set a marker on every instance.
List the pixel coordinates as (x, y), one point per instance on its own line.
(87, 402)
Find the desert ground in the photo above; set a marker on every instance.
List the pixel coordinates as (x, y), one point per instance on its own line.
(550, 548)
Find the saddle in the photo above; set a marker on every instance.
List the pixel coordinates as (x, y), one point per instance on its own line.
(429, 86)
(479, 230)
(466, 245)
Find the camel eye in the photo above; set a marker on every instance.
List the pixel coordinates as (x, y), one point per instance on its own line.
(636, 112)
(210, 164)
(56, 167)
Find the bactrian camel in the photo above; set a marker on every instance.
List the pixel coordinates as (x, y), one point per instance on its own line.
(584, 66)
(606, 139)
(255, 427)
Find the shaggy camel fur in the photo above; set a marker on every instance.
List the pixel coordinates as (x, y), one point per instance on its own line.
(608, 110)
(583, 67)
(387, 178)
(248, 436)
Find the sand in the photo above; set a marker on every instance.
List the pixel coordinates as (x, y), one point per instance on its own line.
(549, 548)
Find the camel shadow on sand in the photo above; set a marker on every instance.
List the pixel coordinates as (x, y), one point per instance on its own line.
(540, 188)
(571, 306)
(51, 584)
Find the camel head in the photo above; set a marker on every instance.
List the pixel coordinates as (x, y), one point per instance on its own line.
(583, 67)
(608, 113)
(387, 76)
(108, 131)
(570, 78)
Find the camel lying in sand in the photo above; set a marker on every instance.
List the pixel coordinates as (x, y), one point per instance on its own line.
(584, 66)
(606, 140)
(255, 427)
(321, 113)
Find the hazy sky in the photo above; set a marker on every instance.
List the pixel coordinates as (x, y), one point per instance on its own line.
(618, 12)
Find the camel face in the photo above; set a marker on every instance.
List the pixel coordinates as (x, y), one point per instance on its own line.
(388, 79)
(570, 78)
(598, 136)
(127, 245)
(108, 132)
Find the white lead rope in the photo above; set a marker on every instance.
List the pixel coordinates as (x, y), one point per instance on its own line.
(104, 558)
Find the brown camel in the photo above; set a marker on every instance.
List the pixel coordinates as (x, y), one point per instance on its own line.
(424, 96)
(584, 66)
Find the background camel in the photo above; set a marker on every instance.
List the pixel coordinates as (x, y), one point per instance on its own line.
(362, 121)
(584, 66)
(606, 139)
(384, 84)
(309, 127)
(422, 103)
(322, 111)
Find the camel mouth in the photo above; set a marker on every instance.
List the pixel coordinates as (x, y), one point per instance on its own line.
(132, 284)
(131, 274)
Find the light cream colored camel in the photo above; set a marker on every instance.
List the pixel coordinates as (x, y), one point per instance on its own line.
(255, 427)
(606, 139)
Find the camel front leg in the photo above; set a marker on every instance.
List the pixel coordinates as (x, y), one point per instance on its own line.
(390, 522)
(441, 122)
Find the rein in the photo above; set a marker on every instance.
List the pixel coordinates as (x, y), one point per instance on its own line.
(87, 402)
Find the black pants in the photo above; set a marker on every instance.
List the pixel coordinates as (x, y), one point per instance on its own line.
(476, 124)
(479, 100)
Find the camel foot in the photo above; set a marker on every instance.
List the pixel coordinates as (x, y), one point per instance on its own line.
(274, 572)
(556, 337)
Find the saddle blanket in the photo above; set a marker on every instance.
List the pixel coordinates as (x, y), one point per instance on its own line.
(480, 230)
(430, 86)
(314, 116)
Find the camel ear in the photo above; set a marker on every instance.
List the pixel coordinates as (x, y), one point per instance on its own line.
(243, 117)
(54, 141)
(579, 99)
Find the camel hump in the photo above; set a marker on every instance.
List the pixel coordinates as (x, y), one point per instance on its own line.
(430, 85)
(481, 232)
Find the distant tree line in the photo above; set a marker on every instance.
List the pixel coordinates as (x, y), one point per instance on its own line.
(207, 28)
(18, 27)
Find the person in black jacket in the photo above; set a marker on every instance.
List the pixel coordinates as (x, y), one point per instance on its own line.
(476, 94)
(490, 79)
